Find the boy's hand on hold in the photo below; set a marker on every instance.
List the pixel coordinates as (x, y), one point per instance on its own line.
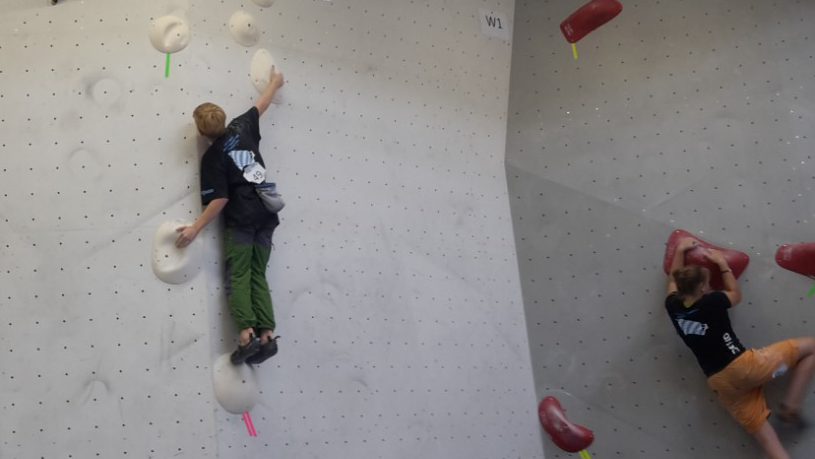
(265, 100)
(276, 78)
(686, 244)
(186, 236)
(716, 257)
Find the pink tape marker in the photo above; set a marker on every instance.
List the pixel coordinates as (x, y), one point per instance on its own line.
(250, 426)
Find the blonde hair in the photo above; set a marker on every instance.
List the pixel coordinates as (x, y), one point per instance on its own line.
(689, 278)
(210, 120)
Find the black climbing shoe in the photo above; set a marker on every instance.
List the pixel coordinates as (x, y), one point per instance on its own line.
(266, 351)
(246, 351)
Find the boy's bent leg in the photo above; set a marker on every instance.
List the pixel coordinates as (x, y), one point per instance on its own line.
(770, 443)
(261, 297)
(801, 375)
(238, 249)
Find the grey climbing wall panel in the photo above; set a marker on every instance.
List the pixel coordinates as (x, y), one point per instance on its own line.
(690, 114)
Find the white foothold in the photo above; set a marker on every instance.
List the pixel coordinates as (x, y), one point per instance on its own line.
(243, 28)
(170, 263)
(261, 69)
(169, 34)
(235, 386)
(264, 3)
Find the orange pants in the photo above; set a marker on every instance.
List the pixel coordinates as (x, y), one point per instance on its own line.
(740, 386)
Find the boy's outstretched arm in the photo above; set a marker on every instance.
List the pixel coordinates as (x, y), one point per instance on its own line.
(265, 99)
(188, 233)
(679, 261)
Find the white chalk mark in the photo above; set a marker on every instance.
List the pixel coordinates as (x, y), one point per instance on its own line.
(106, 92)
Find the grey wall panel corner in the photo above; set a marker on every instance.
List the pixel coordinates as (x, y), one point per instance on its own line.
(694, 115)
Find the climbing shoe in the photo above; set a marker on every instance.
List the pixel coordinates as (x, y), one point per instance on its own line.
(266, 351)
(246, 351)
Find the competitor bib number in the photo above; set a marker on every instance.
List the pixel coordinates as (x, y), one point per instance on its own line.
(254, 173)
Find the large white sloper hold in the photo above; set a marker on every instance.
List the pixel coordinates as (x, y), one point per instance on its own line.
(171, 264)
(264, 3)
(235, 386)
(261, 69)
(169, 34)
(243, 28)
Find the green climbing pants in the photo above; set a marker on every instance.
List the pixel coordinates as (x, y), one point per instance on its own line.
(247, 250)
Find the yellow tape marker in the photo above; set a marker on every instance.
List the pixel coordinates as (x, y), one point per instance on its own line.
(585, 454)
(574, 51)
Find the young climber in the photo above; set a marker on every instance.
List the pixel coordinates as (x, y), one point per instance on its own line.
(230, 168)
(737, 375)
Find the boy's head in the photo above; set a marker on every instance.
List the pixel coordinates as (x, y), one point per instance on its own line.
(210, 120)
(692, 280)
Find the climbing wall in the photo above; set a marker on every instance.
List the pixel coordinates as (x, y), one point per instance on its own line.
(394, 277)
(696, 115)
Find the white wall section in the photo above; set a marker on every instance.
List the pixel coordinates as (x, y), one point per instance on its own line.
(394, 277)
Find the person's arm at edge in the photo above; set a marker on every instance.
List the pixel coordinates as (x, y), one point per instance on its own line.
(265, 99)
(678, 261)
(188, 233)
(731, 285)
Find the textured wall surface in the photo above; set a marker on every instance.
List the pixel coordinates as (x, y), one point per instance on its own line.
(689, 114)
(394, 276)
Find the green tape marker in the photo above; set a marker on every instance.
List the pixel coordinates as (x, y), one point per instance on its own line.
(167, 67)
(811, 291)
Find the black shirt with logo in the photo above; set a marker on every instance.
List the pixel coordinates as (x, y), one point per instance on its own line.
(223, 169)
(705, 328)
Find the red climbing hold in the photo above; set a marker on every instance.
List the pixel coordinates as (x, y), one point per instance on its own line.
(567, 436)
(798, 258)
(737, 260)
(589, 17)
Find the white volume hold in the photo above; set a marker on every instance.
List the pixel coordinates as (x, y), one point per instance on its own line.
(171, 264)
(264, 3)
(235, 386)
(261, 69)
(243, 28)
(169, 34)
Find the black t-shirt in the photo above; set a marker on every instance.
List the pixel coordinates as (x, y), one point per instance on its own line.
(223, 167)
(705, 328)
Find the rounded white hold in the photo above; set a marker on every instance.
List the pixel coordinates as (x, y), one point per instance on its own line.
(243, 28)
(264, 3)
(261, 69)
(106, 92)
(235, 386)
(171, 264)
(169, 34)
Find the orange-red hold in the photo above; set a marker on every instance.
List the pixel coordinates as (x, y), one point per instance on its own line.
(737, 261)
(568, 436)
(589, 17)
(798, 258)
